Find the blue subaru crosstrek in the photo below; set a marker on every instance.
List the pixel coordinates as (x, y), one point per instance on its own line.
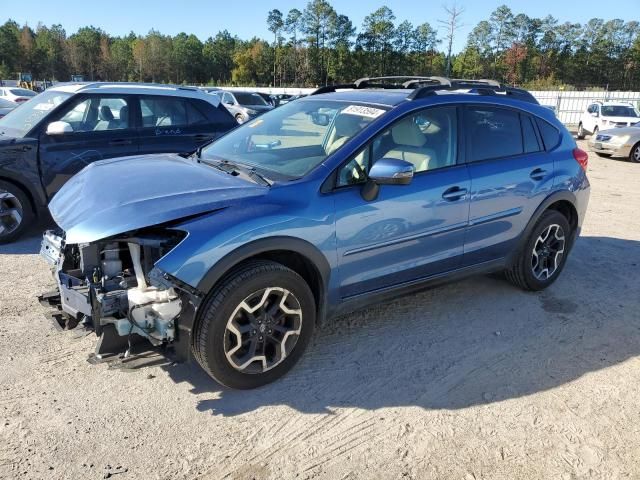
(350, 196)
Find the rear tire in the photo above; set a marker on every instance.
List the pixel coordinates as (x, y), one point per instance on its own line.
(16, 212)
(546, 249)
(634, 155)
(581, 132)
(255, 325)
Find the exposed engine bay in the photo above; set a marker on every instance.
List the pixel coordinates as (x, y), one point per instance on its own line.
(113, 287)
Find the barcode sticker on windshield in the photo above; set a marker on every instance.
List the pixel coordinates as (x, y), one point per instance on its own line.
(363, 111)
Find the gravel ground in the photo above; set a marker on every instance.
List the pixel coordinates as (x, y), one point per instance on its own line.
(474, 380)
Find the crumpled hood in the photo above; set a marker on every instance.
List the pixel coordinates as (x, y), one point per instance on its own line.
(123, 194)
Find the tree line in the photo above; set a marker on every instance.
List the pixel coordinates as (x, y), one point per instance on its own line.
(318, 46)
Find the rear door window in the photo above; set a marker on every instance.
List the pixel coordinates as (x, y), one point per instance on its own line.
(492, 132)
(163, 112)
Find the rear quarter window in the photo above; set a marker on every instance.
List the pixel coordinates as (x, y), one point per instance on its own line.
(550, 134)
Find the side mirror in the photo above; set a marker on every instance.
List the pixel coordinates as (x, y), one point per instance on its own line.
(391, 171)
(58, 128)
(321, 119)
(386, 171)
(229, 102)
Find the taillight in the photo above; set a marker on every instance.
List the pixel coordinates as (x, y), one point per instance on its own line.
(581, 157)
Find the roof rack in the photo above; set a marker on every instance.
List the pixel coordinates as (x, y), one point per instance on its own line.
(427, 86)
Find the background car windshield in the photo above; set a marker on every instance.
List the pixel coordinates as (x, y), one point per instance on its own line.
(22, 119)
(22, 92)
(293, 139)
(619, 111)
(249, 99)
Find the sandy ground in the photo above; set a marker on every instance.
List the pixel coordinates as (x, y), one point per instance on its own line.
(474, 380)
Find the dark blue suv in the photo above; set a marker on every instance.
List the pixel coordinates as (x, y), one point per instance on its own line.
(350, 196)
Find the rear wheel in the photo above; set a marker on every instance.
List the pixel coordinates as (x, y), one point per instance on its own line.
(581, 132)
(543, 257)
(15, 212)
(239, 119)
(634, 156)
(255, 325)
(595, 132)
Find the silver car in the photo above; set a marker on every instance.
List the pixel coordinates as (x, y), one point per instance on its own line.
(618, 142)
(244, 106)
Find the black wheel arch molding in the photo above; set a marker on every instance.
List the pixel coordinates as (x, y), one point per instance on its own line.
(561, 197)
(265, 248)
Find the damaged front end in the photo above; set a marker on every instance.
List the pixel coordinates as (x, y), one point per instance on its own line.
(113, 286)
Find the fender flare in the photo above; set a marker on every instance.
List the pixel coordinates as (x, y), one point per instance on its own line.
(35, 193)
(256, 247)
(562, 195)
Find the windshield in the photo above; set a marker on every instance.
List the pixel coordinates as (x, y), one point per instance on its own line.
(22, 92)
(245, 98)
(20, 120)
(619, 111)
(292, 140)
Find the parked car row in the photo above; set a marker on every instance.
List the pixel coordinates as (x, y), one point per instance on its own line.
(614, 128)
(232, 253)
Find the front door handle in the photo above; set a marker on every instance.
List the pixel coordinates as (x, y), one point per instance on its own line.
(454, 193)
(538, 174)
(121, 141)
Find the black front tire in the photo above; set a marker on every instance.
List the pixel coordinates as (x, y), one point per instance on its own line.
(581, 132)
(634, 156)
(521, 273)
(13, 198)
(210, 345)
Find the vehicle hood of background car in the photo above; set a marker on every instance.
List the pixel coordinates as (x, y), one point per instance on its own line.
(124, 194)
(621, 131)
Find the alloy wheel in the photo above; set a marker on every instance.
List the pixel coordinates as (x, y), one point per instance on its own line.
(548, 251)
(263, 330)
(635, 156)
(11, 213)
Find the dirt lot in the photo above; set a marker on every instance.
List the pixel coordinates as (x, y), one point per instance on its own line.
(475, 380)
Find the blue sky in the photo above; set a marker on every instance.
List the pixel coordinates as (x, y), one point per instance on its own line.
(247, 18)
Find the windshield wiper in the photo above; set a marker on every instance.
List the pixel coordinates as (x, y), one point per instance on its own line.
(230, 167)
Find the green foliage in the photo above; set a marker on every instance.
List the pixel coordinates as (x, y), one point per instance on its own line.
(318, 45)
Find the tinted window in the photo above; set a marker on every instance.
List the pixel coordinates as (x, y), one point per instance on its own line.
(529, 136)
(21, 92)
(492, 133)
(163, 112)
(245, 98)
(427, 140)
(194, 114)
(550, 134)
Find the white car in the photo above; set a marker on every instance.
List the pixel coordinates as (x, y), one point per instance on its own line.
(603, 115)
(16, 94)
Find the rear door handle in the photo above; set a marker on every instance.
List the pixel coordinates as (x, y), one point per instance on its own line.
(202, 138)
(454, 193)
(538, 174)
(121, 141)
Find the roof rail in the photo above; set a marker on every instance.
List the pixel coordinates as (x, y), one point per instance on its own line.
(427, 86)
(479, 88)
